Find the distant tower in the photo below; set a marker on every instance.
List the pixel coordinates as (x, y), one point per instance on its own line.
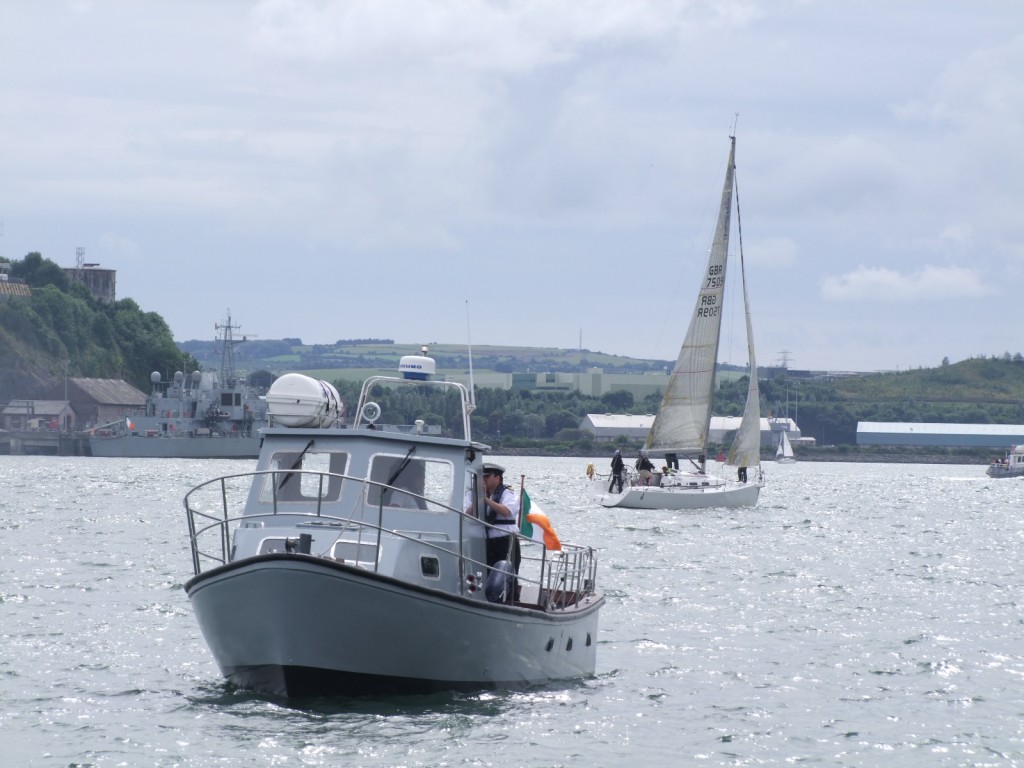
(102, 283)
(784, 358)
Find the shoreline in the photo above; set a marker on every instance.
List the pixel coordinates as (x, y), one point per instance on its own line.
(818, 455)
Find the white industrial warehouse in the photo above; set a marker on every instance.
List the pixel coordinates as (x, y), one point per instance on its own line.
(608, 427)
(940, 435)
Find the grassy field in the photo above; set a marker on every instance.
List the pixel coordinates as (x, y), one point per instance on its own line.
(357, 361)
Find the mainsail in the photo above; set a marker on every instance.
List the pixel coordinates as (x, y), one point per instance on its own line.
(684, 418)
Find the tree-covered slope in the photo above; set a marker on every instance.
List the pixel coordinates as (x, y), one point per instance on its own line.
(61, 327)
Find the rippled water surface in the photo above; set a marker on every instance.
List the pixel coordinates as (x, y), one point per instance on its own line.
(860, 615)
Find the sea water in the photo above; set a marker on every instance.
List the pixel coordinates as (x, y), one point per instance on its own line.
(861, 614)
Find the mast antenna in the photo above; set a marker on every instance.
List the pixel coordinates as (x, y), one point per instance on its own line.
(227, 360)
(469, 347)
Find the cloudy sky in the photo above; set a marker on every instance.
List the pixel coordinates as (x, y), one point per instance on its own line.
(541, 172)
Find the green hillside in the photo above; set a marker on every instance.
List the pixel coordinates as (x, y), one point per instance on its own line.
(60, 329)
(989, 380)
(975, 391)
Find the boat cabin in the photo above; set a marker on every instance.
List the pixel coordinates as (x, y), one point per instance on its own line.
(375, 502)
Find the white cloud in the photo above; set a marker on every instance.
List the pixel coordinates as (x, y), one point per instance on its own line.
(981, 91)
(883, 284)
(478, 36)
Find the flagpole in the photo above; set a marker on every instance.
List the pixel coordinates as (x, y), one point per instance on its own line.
(519, 514)
(513, 540)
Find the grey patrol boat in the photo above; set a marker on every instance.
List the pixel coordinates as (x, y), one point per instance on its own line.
(202, 415)
(352, 560)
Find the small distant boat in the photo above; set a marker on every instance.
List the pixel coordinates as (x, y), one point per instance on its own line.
(683, 421)
(1011, 465)
(353, 560)
(784, 453)
(204, 415)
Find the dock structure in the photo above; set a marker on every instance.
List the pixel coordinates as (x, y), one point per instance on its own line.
(44, 442)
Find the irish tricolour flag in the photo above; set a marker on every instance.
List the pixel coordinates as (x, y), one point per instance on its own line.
(535, 524)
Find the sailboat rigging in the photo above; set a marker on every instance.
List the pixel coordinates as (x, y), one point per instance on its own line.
(682, 424)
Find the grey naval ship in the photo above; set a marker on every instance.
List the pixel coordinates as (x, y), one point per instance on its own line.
(201, 415)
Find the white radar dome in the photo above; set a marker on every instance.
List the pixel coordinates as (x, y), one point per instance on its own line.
(417, 367)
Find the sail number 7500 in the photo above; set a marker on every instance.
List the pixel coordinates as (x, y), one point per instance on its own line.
(716, 276)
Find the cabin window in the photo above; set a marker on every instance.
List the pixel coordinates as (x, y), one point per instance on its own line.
(430, 567)
(316, 478)
(269, 546)
(355, 552)
(414, 483)
(471, 495)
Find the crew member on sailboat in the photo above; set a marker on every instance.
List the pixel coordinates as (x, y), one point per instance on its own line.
(645, 468)
(618, 468)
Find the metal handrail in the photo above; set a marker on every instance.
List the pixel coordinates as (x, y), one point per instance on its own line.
(563, 580)
(463, 392)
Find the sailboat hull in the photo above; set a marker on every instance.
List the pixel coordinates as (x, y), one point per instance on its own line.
(722, 494)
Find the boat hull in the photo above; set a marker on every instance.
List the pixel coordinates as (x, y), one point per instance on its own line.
(1004, 471)
(295, 625)
(660, 497)
(138, 446)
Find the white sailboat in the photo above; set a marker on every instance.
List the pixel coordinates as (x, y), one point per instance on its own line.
(683, 421)
(784, 453)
